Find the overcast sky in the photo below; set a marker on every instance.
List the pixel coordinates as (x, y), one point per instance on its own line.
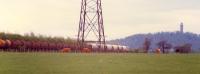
(121, 17)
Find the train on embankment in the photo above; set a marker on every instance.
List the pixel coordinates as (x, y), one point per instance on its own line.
(44, 46)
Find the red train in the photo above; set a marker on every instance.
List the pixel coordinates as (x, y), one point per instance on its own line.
(25, 46)
(43, 46)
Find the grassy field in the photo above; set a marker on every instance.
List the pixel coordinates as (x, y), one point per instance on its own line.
(58, 63)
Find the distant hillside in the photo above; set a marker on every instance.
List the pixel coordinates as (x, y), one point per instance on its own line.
(174, 38)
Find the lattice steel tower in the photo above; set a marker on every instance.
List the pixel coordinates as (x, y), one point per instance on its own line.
(91, 20)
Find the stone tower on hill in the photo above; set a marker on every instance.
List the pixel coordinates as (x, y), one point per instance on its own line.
(181, 27)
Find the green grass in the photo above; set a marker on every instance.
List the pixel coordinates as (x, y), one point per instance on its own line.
(58, 63)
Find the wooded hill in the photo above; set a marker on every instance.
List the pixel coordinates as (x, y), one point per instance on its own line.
(172, 38)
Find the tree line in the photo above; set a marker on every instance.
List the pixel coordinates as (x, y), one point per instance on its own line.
(33, 37)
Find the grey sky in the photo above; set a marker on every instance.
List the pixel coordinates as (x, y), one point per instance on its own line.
(121, 17)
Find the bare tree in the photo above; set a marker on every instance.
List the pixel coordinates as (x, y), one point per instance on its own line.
(161, 45)
(146, 45)
(164, 46)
